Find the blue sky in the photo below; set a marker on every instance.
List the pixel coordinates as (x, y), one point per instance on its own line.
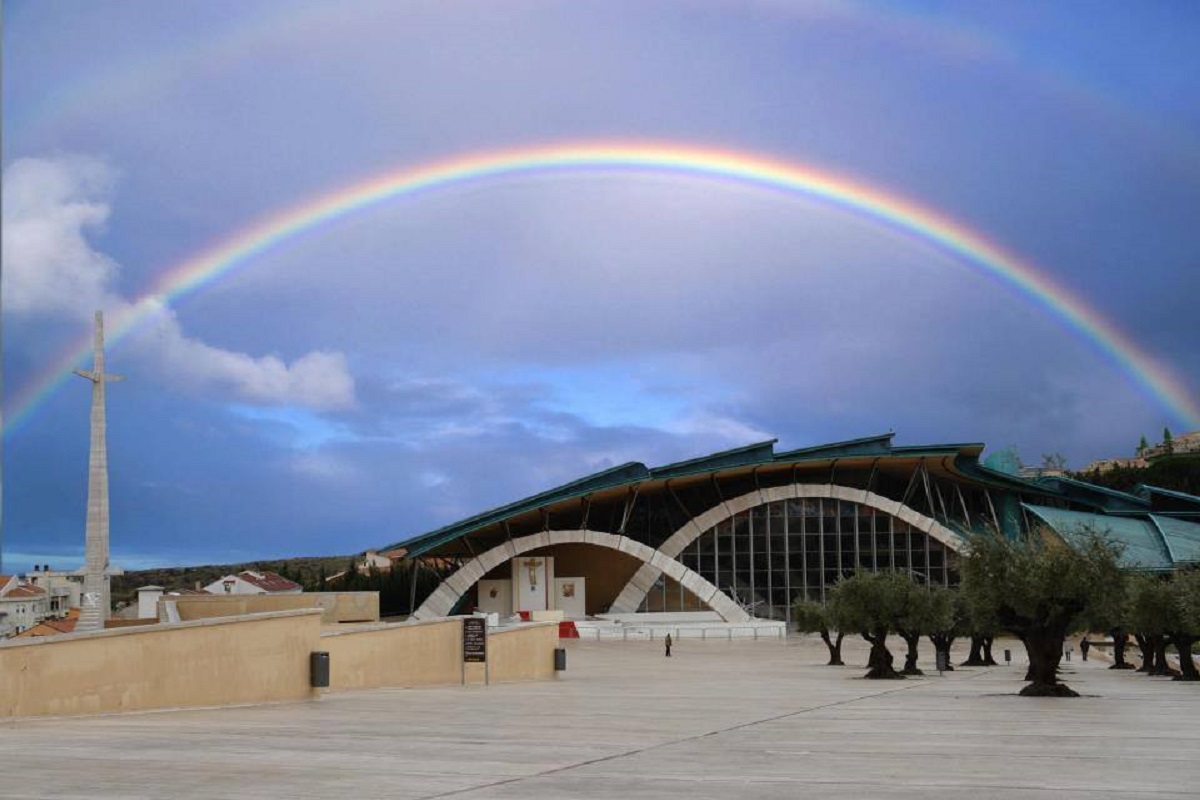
(434, 356)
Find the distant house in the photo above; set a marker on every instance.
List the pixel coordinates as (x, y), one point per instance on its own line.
(63, 588)
(146, 606)
(52, 627)
(254, 582)
(370, 560)
(22, 605)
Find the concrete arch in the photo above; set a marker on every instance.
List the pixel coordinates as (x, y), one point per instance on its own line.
(448, 593)
(634, 592)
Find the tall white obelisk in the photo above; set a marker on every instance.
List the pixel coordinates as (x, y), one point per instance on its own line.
(95, 601)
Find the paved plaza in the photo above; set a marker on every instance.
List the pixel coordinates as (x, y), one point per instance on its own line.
(739, 719)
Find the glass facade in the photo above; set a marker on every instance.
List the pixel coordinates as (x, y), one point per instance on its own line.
(770, 556)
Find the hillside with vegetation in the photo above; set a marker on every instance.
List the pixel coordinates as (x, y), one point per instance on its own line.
(1180, 473)
(314, 573)
(309, 571)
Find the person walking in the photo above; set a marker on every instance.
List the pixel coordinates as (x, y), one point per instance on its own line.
(667, 644)
(1084, 646)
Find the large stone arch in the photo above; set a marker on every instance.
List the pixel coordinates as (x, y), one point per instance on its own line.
(446, 596)
(634, 592)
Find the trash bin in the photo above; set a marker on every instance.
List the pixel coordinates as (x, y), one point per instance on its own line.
(1008, 656)
(560, 659)
(943, 661)
(319, 670)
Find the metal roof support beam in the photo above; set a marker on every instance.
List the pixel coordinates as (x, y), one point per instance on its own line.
(630, 499)
(963, 502)
(586, 502)
(687, 515)
(937, 489)
(412, 585)
(929, 504)
(912, 484)
(992, 507)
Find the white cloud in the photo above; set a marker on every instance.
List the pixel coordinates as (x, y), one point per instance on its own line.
(49, 207)
(51, 269)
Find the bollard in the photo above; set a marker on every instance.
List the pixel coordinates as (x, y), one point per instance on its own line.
(318, 670)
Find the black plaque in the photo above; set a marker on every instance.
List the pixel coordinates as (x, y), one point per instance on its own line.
(475, 640)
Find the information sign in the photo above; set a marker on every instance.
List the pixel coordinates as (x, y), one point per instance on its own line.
(475, 640)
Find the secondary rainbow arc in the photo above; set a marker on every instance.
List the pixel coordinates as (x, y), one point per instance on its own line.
(935, 228)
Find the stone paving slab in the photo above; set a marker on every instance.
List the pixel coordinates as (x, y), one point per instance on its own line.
(740, 719)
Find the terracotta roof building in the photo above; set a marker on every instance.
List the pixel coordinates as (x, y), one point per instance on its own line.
(254, 582)
(22, 605)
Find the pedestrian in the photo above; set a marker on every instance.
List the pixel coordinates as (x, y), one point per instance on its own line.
(667, 644)
(1084, 646)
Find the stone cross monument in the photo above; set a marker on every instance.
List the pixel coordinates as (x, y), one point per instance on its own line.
(95, 600)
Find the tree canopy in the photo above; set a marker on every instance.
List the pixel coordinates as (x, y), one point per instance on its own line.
(872, 603)
(1041, 589)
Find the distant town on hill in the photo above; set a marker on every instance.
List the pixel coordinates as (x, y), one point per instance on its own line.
(308, 571)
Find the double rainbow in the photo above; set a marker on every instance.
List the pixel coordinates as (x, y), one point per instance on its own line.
(239, 251)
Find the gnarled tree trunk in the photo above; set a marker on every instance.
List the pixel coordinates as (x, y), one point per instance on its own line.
(913, 640)
(879, 663)
(941, 644)
(1187, 667)
(835, 648)
(975, 657)
(1120, 640)
(1144, 644)
(1044, 646)
(1161, 667)
(988, 661)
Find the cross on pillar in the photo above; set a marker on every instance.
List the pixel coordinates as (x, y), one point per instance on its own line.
(95, 601)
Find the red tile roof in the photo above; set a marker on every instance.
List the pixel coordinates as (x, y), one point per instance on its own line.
(50, 627)
(269, 581)
(25, 590)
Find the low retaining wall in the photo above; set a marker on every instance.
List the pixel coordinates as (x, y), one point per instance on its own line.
(336, 607)
(429, 653)
(524, 653)
(255, 658)
(258, 658)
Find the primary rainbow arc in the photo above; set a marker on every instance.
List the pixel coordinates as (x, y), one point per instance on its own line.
(973, 248)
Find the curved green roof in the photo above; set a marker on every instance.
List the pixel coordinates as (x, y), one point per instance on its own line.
(1153, 543)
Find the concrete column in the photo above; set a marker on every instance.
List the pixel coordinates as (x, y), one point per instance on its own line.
(95, 603)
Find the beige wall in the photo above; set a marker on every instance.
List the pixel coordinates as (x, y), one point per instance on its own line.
(429, 653)
(400, 654)
(256, 658)
(336, 607)
(252, 659)
(522, 654)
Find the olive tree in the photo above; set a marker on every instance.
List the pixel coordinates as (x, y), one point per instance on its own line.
(981, 626)
(1041, 589)
(919, 613)
(1160, 610)
(1187, 600)
(870, 602)
(949, 619)
(813, 617)
(1151, 610)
